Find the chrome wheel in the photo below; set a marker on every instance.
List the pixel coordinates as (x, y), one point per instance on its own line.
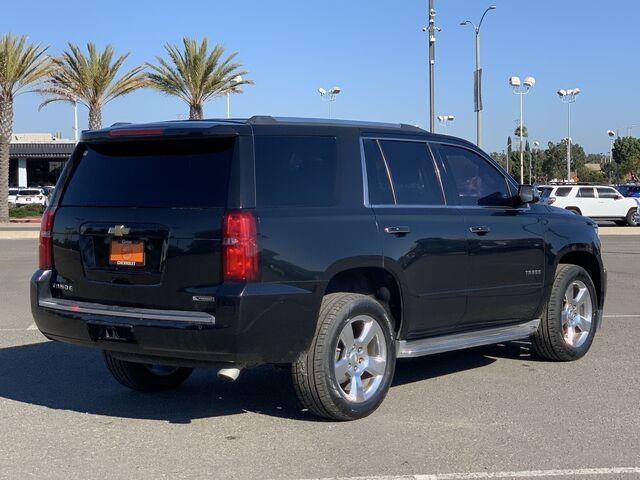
(577, 314)
(360, 359)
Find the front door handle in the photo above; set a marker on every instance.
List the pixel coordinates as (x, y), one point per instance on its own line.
(480, 229)
(397, 230)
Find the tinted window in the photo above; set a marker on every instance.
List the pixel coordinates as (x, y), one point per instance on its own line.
(30, 192)
(13, 191)
(563, 191)
(546, 192)
(586, 193)
(152, 174)
(378, 184)
(295, 171)
(476, 181)
(412, 173)
(607, 193)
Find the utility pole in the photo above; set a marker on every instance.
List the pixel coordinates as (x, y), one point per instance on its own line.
(432, 65)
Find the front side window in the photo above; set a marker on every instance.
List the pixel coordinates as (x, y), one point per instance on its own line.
(295, 171)
(475, 181)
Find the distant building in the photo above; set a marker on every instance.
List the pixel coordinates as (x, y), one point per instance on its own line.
(37, 158)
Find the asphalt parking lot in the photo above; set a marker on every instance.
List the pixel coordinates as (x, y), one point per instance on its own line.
(492, 412)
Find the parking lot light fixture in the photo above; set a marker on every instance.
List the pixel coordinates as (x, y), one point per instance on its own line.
(521, 87)
(444, 120)
(568, 96)
(329, 96)
(234, 88)
(477, 85)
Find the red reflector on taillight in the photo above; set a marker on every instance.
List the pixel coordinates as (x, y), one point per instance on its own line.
(551, 200)
(136, 132)
(241, 261)
(45, 246)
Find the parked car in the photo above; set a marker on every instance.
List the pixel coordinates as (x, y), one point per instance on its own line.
(629, 190)
(599, 202)
(31, 196)
(332, 247)
(13, 193)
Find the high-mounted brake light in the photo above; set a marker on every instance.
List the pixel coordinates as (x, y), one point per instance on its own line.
(241, 260)
(45, 245)
(136, 132)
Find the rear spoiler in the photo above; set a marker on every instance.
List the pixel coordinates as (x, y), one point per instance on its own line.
(192, 129)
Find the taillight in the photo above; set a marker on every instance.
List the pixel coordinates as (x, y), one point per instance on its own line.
(240, 260)
(45, 247)
(551, 200)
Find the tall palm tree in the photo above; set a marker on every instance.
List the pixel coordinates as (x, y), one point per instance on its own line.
(196, 74)
(91, 80)
(21, 64)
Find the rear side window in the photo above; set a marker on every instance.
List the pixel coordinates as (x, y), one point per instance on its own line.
(152, 174)
(378, 182)
(412, 173)
(607, 193)
(295, 171)
(586, 193)
(476, 181)
(563, 191)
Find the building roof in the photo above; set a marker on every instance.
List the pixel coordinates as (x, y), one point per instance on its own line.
(58, 150)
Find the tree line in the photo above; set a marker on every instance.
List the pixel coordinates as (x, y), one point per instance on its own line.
(192, 72)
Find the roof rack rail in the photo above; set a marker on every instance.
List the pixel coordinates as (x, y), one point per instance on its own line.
(119, 124)
(269, 120)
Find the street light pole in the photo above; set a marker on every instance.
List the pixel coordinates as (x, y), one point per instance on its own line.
(234, 85)
(569, 97)
(612, 137)
(75, 119)
(477, 78)
(329, 96)
(432, 66)
(445, 120)
(522, 88)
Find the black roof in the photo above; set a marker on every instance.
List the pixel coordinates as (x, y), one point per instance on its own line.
(61, 150)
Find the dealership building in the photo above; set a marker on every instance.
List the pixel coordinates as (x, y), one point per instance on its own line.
(36, 159)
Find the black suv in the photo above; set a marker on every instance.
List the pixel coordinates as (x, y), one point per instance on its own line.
(333, 247)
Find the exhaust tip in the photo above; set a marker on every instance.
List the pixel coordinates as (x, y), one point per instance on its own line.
(229, 374)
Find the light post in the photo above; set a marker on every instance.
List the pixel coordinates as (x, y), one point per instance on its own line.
(232, 89)
(477, 79)
(612, 138)
(521, 88)
(445, 120)
(568, 97)
(536, 146)
(629, 129)
(329, 96)
(75, 119)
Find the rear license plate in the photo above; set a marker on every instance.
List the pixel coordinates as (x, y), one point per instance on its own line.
(128, 253)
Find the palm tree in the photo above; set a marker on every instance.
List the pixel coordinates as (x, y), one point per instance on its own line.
(90, 80)
(21, 64)
(196, 74)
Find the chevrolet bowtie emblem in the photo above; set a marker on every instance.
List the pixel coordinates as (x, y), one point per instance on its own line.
(119, 231)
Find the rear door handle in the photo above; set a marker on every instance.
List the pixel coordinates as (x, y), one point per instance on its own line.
(397, 230)
(480, 229)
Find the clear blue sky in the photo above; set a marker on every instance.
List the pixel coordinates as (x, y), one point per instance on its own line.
(376, 51)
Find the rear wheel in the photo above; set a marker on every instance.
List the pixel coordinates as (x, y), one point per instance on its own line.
(568, 324)
(146, 377)
(346, 372)
(575, 210)
(633, 219)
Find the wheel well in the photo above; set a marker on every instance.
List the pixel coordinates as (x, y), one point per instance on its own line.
(374, 281)
(589, 262)
(574, 209)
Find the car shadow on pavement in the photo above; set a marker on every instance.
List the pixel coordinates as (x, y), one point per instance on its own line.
(65, 377)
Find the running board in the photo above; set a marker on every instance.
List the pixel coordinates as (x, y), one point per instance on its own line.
(459, 341)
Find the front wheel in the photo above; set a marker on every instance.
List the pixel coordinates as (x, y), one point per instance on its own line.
(347, 371)
(633, 219)
(145, 377)
(568, 324)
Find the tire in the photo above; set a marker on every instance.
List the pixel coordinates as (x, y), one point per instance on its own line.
(574, 210)
(146, 378)
(571, 341)
(632, 218)
(325, 377)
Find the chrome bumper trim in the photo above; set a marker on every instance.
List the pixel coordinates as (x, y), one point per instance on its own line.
(126, 312)
(459, 341)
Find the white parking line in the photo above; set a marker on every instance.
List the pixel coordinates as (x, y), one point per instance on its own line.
(521, 474)
(621, 316)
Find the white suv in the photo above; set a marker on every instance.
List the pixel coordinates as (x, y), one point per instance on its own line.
(599, 202)
(31, 196)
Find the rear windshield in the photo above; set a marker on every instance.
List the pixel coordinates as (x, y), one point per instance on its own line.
(13, 191)
(179, 174)
(30, 192)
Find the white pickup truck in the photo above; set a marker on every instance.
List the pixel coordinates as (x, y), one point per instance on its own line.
(599, 202)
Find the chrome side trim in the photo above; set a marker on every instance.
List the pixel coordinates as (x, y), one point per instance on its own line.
(459, 341)
(126, 312)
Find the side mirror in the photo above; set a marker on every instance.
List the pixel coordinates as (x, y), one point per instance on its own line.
(618, 197)
(528, 194)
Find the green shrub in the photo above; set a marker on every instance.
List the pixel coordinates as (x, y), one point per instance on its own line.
(25, 211)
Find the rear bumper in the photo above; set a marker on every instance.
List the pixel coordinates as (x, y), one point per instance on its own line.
(252, 324)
